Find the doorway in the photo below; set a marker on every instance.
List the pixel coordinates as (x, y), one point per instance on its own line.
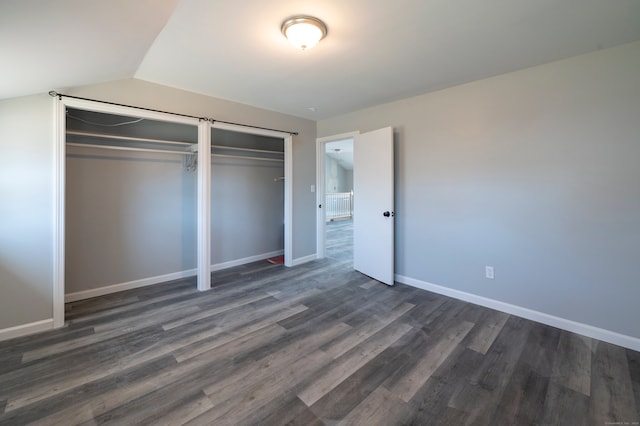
(338, 200)
(335, 197)
(373, 202)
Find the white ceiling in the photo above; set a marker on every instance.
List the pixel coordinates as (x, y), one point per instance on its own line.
(376, 50)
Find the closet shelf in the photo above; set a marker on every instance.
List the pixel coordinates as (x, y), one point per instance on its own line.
(247, 157)
(127, 138)
(128, 148)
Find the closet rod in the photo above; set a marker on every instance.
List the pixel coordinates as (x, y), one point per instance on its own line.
(128, 138)
(246, 157)
(266, 151)
(127, 148)
(53, 93)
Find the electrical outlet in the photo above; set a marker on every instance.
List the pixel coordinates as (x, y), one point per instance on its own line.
(488, 272)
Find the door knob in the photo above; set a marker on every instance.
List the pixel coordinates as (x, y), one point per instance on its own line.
(386, 214)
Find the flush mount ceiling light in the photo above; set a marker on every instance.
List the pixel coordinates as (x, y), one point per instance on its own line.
(304, 32)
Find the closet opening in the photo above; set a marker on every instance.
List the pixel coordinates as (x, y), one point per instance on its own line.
(130, 202)
(247, 198)
(135, 198)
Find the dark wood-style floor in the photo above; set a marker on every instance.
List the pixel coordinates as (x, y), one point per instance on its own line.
(310, 345)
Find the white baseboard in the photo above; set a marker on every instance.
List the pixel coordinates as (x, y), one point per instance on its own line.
(629, 342)
(244, 261)
(25, 329)
(301, 260)
(114, 288)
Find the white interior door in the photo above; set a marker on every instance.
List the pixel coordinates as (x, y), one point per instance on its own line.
(373, 212)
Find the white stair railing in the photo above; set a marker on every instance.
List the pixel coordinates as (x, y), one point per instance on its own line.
(339, 205)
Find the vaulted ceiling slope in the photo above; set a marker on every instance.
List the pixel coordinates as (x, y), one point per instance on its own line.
(376, 50)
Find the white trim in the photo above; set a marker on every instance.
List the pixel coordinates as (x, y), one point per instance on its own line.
(320, 189)
(321, 225)
(244, 261)
(301, 260)
(203, 212)
(59, 179)
(114, 288)
(288, 200)
(98, 106)
(333, 138)
(26, 329)
(61, 104)
(530, 314)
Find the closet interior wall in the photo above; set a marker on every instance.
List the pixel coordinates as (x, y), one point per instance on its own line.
(247, 197)
(131, 211)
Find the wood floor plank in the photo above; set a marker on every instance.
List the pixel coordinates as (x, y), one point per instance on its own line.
(271, 363)
(74, 406)
(172, 378)
(234, 410)
(202, 345)
(285, 409)
(633, 359)
(126, 306)
(480, 396)
(489, 330)
(166, 407)
(73, 365)
(116, 330)
(341, 400)
(370, 284)
(358, 335)
(572, 365)
(611, 390)
(437, 354)
(523, 399)
(380, 408)
(350, 362)
(177, 416)
(208, 313)
(565, 406)
(431, 402)
(541, 348)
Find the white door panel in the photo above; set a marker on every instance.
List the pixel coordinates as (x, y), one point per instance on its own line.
(373, 211)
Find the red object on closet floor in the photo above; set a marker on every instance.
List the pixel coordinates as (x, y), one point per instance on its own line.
(278, 260)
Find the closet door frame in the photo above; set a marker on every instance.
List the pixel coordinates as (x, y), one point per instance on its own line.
(59, 182)
(203, 188)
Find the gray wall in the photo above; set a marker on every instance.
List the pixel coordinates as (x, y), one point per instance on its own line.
(337, 178)
(26, 210)
(534, 172)
(247, 208)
